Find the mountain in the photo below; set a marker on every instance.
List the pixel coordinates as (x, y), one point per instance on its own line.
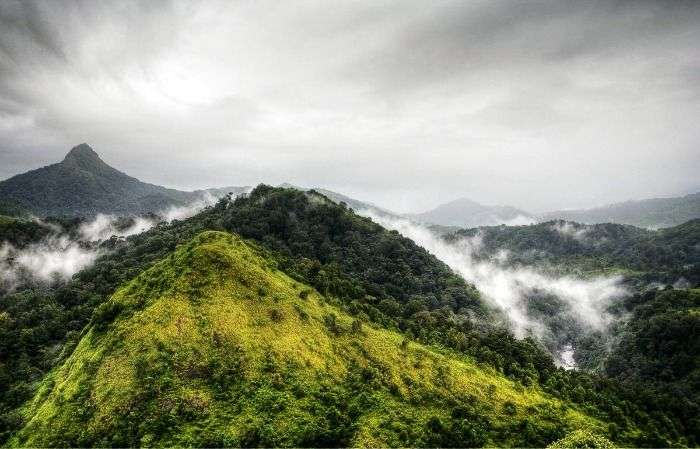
(82, 184)
(215, 347)
(466, 213)
(183, 336)
(650, 213)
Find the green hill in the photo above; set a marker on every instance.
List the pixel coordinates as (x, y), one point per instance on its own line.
(214, 346)
(363, 271)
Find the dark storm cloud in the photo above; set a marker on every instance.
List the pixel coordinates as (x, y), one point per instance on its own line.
(460, 38)
(539, 104)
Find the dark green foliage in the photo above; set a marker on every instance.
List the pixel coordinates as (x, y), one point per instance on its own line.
(343, 254)
(12, 209)
(659, 354)
(666, 255)
(21, 232)
(374, 274)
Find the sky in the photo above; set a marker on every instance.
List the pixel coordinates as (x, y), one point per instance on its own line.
(537, 104)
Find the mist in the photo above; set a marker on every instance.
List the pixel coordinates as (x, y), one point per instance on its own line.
(571, 229)
(57, 257)
(105, 226)
(509, 289)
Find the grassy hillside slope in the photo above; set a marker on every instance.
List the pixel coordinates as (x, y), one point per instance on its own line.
(214, 346)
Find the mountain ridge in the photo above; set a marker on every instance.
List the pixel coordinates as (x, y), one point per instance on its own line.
(82, 184)
(647, 213)
(466, 213)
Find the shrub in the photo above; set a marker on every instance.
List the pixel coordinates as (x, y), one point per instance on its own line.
(276, 315)
(582, 439)
(304, 293)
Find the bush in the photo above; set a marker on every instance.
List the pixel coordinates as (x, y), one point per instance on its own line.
(582, 439)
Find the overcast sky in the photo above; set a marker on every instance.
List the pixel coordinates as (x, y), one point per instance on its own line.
(540, 105)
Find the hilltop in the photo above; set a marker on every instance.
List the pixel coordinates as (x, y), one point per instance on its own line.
(466, 213)
(214, 346)
(82, 184)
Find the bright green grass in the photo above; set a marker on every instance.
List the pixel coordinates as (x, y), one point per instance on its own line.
(213, 346)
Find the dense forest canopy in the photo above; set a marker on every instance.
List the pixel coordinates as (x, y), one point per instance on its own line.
(374, 275)
(667, 255)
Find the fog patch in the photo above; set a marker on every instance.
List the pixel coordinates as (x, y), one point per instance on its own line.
(572, 230)
(565, 358)
(519, 220)
(55, 258)
(105, 226)
(509, 288)
(682, 283)
(58, 256)
(182, 212)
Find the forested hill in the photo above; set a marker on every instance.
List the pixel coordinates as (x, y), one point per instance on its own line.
(649, 213)
(665, 255)
(362, 273)
(82, 184)
(215, 347)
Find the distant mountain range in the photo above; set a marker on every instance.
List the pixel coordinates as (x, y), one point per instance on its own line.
(82, 184)
(466, 213)
(650, 213)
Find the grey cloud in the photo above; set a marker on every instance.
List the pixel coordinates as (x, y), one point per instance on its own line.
(537, 104)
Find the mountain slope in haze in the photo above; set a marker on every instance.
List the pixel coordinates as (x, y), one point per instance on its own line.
(358, 206)
(650, 213)
(82, 184)
(666, 255)
(466, 213)
(214, 347)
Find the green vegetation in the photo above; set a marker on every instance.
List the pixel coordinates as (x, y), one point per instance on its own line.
(582, 439)
(366, 279)
(659, 351)
(666, 255)
(12, 209)
(21, 232)
(189, 353)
